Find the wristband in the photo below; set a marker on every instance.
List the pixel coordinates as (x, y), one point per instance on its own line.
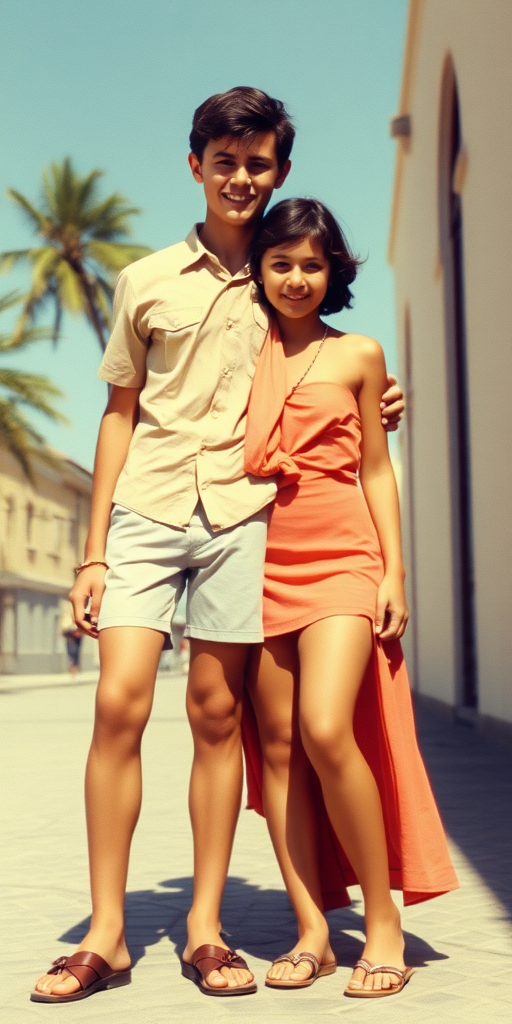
(85, 565)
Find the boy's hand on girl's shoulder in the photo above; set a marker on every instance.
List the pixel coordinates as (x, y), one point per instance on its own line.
(85, 596)
(392, 613)
(392, 405)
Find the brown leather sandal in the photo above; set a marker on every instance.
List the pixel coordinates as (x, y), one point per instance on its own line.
(92, 972)
(318, 970)
(206, 959)
(379, 993)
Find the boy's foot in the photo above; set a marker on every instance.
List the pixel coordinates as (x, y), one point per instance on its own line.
(65, 984)
(225, 977)
(314, 942)
(384, 945)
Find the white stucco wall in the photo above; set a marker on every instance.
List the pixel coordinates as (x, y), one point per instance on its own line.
(477, 36)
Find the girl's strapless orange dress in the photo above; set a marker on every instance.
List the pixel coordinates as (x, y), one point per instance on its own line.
(323, 558)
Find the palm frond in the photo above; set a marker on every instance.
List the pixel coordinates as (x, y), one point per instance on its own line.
(9, 342)
(115, 256)
(45, 262)
(33, 389)
(8, 260)
(18, 436)
(87, 190)
(104, 305)
(36, 217)
(70, 289)
(9, 299)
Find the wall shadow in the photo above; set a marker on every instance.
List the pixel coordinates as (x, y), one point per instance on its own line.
(472, 780)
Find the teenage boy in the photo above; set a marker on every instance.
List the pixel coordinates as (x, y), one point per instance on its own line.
(170, 491)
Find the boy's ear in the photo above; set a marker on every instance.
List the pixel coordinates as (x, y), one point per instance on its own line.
(195, 167)
(283, 174)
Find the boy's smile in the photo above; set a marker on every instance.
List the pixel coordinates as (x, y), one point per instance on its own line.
(239, 177)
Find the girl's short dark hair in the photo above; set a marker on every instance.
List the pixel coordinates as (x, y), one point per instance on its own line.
(243, 113)
(294, 219)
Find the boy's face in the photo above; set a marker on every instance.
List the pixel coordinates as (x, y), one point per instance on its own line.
(239, 179)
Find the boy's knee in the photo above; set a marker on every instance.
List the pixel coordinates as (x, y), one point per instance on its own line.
(121, 705)
(214, 714)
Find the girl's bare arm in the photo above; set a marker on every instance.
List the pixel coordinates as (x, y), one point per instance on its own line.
(379, 487)
(118, 423)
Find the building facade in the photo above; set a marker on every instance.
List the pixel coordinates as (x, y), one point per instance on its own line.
(42, 533)
(451, 252)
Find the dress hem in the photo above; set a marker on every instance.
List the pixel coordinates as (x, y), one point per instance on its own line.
(292, 625)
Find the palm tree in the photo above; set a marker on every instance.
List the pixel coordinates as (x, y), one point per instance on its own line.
(18, 389)
(82, 250)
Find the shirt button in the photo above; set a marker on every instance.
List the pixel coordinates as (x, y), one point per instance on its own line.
(215, 413)
(229, 325)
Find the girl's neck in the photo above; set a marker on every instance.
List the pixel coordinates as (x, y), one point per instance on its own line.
(300, 332)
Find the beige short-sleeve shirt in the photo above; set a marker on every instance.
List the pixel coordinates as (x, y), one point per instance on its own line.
(188, 334)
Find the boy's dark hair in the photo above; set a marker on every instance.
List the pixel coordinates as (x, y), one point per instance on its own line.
(294, 219)
(243, 113)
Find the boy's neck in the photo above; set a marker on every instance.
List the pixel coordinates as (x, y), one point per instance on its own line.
(229, 244)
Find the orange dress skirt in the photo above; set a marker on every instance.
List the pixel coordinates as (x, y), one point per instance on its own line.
(323, 558)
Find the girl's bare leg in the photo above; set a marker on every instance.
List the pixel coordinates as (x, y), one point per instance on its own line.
(333, 654)
(129, 662)
(214, 707)
(273, 683)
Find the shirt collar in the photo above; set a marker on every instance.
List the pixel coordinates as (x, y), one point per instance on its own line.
(199, 252)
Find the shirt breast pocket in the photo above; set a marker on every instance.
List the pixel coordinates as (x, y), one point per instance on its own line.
(173, 331)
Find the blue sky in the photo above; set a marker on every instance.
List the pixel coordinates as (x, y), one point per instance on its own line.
(114, 83)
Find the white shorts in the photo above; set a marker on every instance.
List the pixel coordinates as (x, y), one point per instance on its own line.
(150, 563)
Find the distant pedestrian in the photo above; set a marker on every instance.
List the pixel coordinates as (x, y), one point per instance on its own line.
(73, 637)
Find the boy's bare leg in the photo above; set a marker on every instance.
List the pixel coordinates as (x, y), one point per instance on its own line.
(214, 706)
(129, 663)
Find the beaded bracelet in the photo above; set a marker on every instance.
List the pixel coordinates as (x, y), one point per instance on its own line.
(85, 565)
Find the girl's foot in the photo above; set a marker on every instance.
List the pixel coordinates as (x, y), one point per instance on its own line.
(311, 941)
(113, 950)
(384, 945)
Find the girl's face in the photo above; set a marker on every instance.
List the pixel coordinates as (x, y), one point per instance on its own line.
(295, 277)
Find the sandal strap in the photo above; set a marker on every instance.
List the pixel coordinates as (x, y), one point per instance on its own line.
(85, 967)
(298, 958)
(387, 969)
(208, 958)
(365, 964)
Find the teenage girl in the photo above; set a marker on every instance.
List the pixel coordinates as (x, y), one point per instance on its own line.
(328, 688)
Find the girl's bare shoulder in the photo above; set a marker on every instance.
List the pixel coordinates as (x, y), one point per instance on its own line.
(362, 344)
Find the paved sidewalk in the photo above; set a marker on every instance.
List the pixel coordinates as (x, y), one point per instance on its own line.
(460, 943)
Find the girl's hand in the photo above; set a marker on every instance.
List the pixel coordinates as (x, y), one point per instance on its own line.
(88, 590)
(392, 614)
